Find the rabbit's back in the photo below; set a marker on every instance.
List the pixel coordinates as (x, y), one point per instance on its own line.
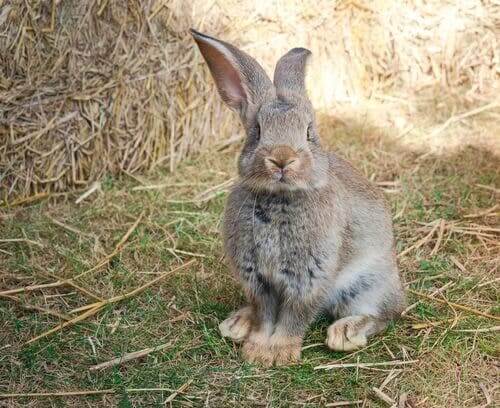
(369, 216)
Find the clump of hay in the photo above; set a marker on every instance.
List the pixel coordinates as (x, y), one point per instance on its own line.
(106, 86)
(90, 87)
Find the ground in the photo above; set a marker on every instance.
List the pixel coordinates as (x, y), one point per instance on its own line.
(444, 214)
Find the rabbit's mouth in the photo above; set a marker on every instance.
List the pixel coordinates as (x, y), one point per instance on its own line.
(278, 169)
(280, 176)
(275, 181)
(284, 177)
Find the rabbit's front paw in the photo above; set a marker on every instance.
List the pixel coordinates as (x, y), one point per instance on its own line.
(347, 334)
(257, 350)
(238, 325)
(277, 350)
(286, 354)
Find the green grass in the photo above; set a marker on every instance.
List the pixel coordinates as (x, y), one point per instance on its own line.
(185, 309)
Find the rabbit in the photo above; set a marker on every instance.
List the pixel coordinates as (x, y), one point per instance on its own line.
(303, 231)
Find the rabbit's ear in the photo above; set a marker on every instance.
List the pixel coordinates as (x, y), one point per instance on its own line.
(239, 78)
(290, 71)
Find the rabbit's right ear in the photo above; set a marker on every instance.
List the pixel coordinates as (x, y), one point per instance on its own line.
(240, 80)
(290, 72)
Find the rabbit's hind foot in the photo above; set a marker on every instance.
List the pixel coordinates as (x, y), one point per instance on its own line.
(238, 325)
(352, 332)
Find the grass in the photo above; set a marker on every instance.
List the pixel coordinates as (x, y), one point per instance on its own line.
(455, 368)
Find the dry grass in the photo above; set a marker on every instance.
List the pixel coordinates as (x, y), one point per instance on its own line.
(173, 324)
(96, 87)
(89, 88)
(96, 91)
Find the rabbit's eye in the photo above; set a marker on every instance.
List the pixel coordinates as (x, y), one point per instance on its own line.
(310, 133)
(256, 132)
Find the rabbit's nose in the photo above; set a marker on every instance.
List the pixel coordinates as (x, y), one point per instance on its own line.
(281, 157)
(280, 163)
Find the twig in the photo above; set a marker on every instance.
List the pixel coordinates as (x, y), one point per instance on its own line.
(233, 140)
(436, 292)
(72, 284)
(420, 242)
(29, 306)
(484, 213)
(490, 188)
(31, 288)
(455, 305)
(81, 392)
(442, 226)
(26, 200)
(133, 292)
(458, 264)
(364, 365)
(27, 241)
(129, 356)
(179, 251)
(343, 403)
(351, 355)
(61, 326)
(312, 345)
(419, 326)
(162, 186)
(383, 396)
(95, 307)
(489, 282)
(96, 186)
(119, 247)
(71, 229)
(83, 290)
(461, 116)
(172, 396)
(487, 395)
(210, 193)
(483, 330)
(391, 376)
(403, 398)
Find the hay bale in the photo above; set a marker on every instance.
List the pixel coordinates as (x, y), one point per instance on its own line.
(95, 87)
(107, 86)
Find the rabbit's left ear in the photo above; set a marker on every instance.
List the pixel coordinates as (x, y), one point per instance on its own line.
(240, 80)
(290, 71)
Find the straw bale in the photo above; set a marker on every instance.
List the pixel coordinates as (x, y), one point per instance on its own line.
(89, 88)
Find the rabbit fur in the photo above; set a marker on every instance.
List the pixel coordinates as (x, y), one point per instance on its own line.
(304, 232)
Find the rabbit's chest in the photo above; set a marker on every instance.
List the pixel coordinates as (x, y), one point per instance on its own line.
(279, 230)
(285, 247)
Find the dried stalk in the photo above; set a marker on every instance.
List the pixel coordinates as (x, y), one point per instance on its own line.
(29, 306)
(420, 242)
(129, 356)
(96, 307)
(455, 305)
(344, 403)
(82, 392)
(364, 365)
(71, 281)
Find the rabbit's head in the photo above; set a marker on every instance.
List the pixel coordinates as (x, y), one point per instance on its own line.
(282, 150)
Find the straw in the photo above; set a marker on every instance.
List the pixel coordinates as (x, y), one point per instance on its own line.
(136, 94)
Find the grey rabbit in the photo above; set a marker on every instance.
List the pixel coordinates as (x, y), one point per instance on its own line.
(304, 232)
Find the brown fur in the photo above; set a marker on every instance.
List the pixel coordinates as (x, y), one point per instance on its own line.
(279, 350)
